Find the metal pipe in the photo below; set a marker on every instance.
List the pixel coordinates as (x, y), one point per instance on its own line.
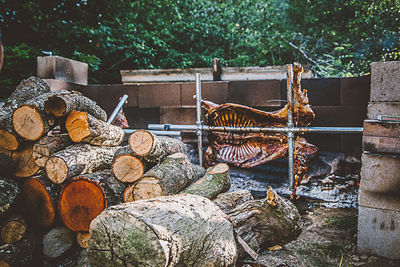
(166, 133)
(290, 125)
(121, 103)
(198, 119)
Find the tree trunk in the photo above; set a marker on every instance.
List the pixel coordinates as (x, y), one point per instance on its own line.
(154, 148)
(184, 230)
(13, 230)
(83, 127)
(62, 104)
(85, 196)
(57, 242)
(215, 181)
(78, 159)
(228, 201)
(29, 88)
(82, 238)
(22, 253)
(39, 198)
(167, 178)
(9, 191)
(47, 146)
(26, 166)
(127, 166)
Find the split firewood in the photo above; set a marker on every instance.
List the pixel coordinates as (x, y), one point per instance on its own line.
(47, 146)
(86, 196)
(82, 238)
(22, 253)
(180, 230)
(40, 198)
(154, 148)
(27, 89)
(214, 182)
(26, 166)
(13, 229)
(127, 166)
(169, 177)
(57, 242)
(78, 159)
(61, 105)
(9, 191)
(83, 127)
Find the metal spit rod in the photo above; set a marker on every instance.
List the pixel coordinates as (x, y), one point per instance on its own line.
(198, 119)
(290, 125)
(121, 103)
(166, 133)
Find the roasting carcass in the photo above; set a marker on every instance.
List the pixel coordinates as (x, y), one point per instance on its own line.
(244, 149)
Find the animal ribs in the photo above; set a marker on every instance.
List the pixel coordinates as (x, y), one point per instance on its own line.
(252, 149)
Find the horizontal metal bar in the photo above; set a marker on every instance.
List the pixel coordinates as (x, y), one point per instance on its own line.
(121, 103)
(167, 133)
(183, 127)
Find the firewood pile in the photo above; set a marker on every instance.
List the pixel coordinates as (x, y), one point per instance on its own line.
(80, 195)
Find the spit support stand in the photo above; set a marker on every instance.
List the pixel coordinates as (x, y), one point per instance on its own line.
(290, 125)
(198, 119)
(121, 103)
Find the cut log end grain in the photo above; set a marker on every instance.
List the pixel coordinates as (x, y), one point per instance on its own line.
(141, 142)
(55, 106)
(28, 122)
(128, 168)
(82, 238)
(49, 145)
(8, 140)
(148, 187)
(26, 166)
(56, 169)
(13, 231)
(80, 202)
(77, 125)
(127, 195)
(219, 168)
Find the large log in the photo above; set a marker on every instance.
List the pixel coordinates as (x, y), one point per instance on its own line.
(83, 127)
(62, 104)
(25, 164)
(25, 252)
(154, 148)
(27, 89)
(57, 242)
(181, 230)
(127, 166)
(13, 229)
(214, 182)
(47, 146)
(228, 201)
(40, 198)
(9, 191)
(86, 196)
(78, 159)
(167, 178)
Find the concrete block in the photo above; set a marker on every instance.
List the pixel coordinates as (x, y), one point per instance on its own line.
(377, 200)
(355, 90)
(383, 108)
(379, 144)
(216, 92)
(178, 115)
(255, 93)
(380, 173)
(379, 232)
(63, 69)
(57, 85)
(381, 128)
(158, 95)
(385, 81)
(322, 91)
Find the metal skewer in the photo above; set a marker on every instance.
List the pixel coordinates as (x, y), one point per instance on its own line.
(121, 103)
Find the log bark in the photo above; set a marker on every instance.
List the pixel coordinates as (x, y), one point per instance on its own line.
(47, 146)
(22, 253)
(86, 196)
(167, 178)
(183, 230)
(27, 89)
(83, 127)
(40, 198)
(154, 148)
(228, 201)
(25, 164)
(127, 166)
(57, 242)
(214, 182)
(13, 229)
(78, 159)
(62, 104)
(9, 192)
(82, 238)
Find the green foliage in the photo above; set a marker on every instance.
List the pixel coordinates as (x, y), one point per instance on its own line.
(337, 38)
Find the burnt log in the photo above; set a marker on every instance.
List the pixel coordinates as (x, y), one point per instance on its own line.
(181, 230)
(214, 182)
(9, 192)
(127, 166)
(86, 196)
(57, 242)
(83, 127)
(27, 89)
(78, 159)
(154, 148)
(169, 177)
(13, 229)
(47, 146)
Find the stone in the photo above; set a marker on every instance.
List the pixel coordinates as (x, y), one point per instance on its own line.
(385, 84)
(383, 108)
(389, 201)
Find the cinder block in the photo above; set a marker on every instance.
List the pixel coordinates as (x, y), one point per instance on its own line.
(379, 144)
(57, 85)
(322, 91)
(158, 95)
(381, 128)
(380, 173)
(216, 92)
(385, 85)
(255, 93)
(377, 200)
(383, 108)
(379, 232)
(355, 90)
(63, 69)
(178, 115)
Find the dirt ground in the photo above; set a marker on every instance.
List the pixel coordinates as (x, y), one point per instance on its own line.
(329, 238)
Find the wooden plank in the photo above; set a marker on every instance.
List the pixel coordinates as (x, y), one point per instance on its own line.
(382, 128)
(158, 95)
(255, 93)
(178, 115)
(355, 90)
(216, 92)
(378, 144)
